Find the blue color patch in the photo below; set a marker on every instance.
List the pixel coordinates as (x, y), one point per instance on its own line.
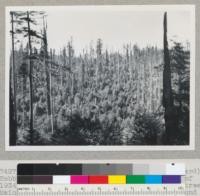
(153, 179)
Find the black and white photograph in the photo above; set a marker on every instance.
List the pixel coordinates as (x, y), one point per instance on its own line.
(111, 77)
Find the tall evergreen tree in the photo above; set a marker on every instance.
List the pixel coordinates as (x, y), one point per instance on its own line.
(26, 19)
(181, 88)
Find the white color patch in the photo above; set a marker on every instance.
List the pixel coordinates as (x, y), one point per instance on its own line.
(61, 179)
(175, 169)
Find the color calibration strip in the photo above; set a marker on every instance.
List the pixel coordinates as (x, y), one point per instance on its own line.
(100, 174)
(112, 179)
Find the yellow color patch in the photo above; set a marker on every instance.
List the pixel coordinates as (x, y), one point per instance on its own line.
(115, 179)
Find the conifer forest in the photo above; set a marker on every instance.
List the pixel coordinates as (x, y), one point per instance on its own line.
(134, 96)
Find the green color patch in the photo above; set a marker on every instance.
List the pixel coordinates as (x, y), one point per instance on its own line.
(135, 179)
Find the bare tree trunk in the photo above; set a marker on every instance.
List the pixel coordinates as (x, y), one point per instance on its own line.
(118, 70)
(131, 67)
(168, 104)
(64, 55)
(72, 87)
(31, 81)
(13, 99)
(98, 62)
(82, 78)
(23, 106)
(52, 98)
(12, 121)
(107, 61)
(151, 92)
(48, 77)
(71, 75)
(48, 87)
(51, 113)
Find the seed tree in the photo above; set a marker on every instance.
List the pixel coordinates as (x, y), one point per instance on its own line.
(168, 101)
(26, 21)
(15, 23)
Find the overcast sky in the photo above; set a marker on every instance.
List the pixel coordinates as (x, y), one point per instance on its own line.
(116, 25)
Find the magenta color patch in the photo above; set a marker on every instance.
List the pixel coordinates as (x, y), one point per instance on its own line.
(79, 179)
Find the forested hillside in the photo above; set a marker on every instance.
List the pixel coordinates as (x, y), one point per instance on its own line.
(135, 96)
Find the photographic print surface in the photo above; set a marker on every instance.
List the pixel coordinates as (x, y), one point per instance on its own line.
(116, 76)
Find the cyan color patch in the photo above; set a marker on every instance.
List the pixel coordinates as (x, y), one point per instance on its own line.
(153, 179)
